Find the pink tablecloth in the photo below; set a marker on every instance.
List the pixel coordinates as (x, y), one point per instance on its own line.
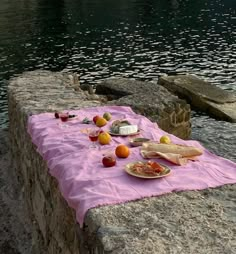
(85, 183)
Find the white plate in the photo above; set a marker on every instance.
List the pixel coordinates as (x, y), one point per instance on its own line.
(124, 135)
(130, 172)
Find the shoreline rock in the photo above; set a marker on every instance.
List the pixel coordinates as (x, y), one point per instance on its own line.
(217, 102)
(153, 101)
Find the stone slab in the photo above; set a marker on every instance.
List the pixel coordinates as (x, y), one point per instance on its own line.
(182, 223)
(202, 95)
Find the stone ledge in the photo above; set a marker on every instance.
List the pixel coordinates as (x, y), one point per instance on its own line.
(186, 222)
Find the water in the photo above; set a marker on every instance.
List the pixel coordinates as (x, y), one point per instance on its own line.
(140, 39)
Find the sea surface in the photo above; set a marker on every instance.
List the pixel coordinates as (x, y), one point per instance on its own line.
(141, 39)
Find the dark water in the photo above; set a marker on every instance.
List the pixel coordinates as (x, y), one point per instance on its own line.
(140, 39)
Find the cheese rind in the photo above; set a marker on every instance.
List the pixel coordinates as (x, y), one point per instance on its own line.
(125, 130)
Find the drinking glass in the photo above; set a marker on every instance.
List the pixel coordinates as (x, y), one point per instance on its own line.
(64, 118)
(93, 136)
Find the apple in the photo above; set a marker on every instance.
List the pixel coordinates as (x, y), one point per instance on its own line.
(109, 161)
(107, 116)
(95, 118)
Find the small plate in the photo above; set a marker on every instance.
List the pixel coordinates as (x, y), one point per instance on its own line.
(124, 135)
(138, 141)
(129, 165)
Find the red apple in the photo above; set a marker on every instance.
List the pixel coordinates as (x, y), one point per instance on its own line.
(109, 161)
(95, 118)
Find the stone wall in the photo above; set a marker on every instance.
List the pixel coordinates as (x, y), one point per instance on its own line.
(169, 224)
(55, 228)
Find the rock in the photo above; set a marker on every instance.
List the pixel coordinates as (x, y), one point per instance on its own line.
(151, 100)
(202, 95)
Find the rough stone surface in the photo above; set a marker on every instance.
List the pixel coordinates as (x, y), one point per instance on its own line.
(54, 227)
(15, 229)
(151, 100)
(186, 222)
(202, 95)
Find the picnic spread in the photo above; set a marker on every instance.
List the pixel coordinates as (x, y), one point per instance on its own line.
(127, 161)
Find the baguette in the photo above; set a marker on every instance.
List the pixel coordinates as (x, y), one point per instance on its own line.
(185, 151)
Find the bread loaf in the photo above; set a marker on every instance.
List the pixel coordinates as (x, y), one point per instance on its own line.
(185, 151)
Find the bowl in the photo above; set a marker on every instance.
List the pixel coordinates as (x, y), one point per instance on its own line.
(138, 141)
